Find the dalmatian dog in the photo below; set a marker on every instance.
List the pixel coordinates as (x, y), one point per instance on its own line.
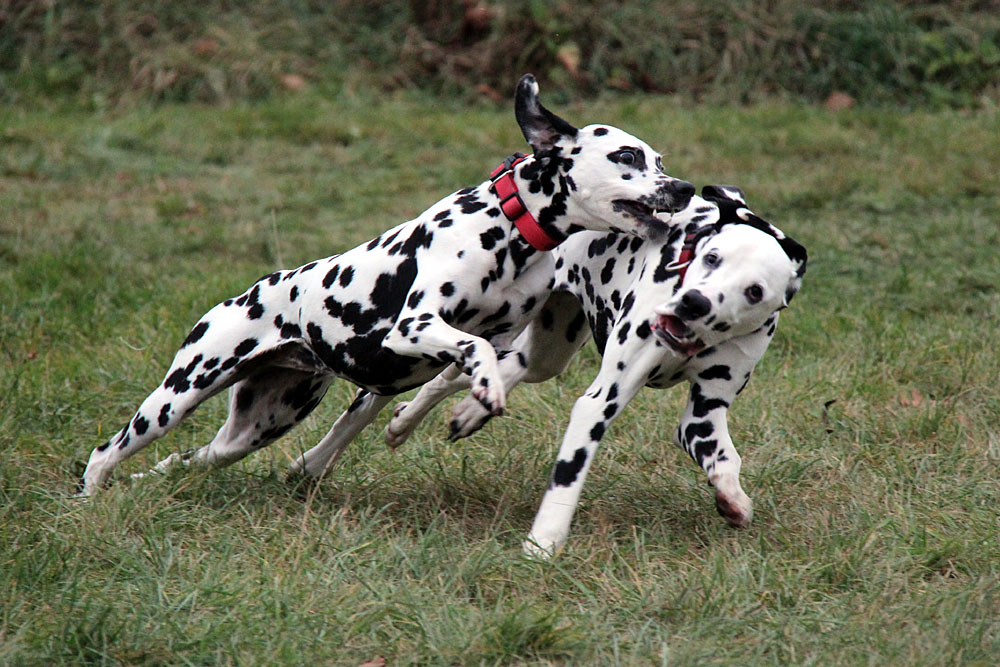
(448, 288)
(700, 307)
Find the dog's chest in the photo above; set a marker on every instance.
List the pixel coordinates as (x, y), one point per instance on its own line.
(618, 279)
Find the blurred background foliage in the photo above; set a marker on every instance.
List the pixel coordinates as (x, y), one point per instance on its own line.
(111, 52)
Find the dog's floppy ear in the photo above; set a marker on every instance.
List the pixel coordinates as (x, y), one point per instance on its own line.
(731, 201)
(793, 249)
(724, 194)
(541, 127)
(733, 209)
(797, 253)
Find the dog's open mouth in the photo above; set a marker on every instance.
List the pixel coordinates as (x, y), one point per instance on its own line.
(641, 212)
(679, 336)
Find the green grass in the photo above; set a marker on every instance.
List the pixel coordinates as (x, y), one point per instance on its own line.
(870, 433)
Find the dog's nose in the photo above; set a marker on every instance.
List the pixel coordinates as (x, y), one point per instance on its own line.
(682, 189)
(693, 305)
(680, 192)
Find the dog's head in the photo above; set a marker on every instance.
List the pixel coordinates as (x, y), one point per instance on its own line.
(744, 269)
(603, 177)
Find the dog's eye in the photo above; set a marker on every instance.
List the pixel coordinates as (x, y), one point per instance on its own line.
(711, 260)
(754, 293)
(659, 163)
(629, 156)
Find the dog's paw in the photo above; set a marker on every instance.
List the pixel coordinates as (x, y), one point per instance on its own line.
(301, 482)
(732, 503)
(400, 428)
(297, 474)
(491, 394)
(175, 460)
(82, 491)
(539, 548)
(466, 418)
(738, 513)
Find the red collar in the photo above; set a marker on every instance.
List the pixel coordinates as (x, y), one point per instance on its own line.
(684, 259)
(515, 210)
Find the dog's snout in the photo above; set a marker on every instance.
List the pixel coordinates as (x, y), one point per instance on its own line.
(680, 193)
(693, 305)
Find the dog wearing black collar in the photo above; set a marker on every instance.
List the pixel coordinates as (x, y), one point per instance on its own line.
(443, 290)
(700, 307)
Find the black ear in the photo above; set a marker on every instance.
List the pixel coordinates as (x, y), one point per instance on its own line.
(733, 209)
(729, 199)
(541, 127)
(795, 250)
(797, 253)
(724, 193)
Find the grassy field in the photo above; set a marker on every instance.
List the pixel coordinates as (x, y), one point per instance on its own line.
(869, 434)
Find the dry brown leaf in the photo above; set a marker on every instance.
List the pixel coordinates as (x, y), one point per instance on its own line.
(292, 82)
(838, 101)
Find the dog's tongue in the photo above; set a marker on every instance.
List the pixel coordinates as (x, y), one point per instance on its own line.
(673, 325)
(679, 333)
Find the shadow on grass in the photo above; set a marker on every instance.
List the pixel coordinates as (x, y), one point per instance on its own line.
(675, 509)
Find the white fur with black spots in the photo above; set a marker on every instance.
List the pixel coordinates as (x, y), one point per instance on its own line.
(659, 315)
(443, 290)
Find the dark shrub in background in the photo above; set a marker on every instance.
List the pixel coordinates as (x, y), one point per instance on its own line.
(898, 53)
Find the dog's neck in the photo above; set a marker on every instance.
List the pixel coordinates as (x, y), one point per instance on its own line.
(546, 192)
(504, 185)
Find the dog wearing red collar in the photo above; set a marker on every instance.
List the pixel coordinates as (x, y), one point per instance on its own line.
(441, 291)
(699, 307)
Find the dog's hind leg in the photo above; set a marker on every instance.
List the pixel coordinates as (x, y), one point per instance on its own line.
(159, 413)
(318, 460)
(193, 378)
(214, 354)
(262, 408)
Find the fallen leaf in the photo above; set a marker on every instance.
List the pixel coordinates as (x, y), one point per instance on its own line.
(292, 82)
(489, 92)
(825, 416)
(568, 56)
(838, 101)
(477, 17)
(205, 47)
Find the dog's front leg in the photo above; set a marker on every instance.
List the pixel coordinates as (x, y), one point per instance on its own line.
(541, 351)
(469, 415)
(703, 431)
(408, 414)
(623, 372)
(704, 434)
(426, 334)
